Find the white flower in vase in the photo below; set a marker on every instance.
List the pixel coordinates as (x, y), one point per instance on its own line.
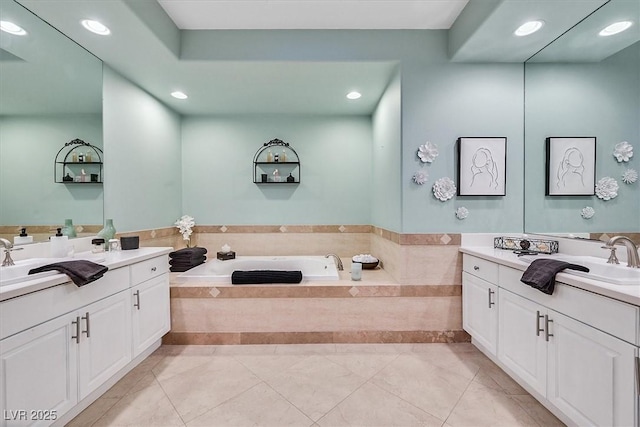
(185, 225)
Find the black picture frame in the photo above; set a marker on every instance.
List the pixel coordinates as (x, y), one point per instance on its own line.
(482, 166)
(570, 166)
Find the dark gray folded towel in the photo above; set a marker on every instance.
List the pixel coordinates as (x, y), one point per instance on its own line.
(187, 262)
(79, 271)
(182, 268)
(265, 276)
(541, 273)
(188, 253)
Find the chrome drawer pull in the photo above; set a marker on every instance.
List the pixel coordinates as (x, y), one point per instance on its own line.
(491, 303)
(538, 317)
(476, 268)
(137, 295)
(77, 335)
(153, 269)
(638, 375)
(546, 323)
(86, 318)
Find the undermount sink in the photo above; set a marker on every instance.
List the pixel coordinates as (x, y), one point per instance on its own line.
(19, 272)
(618, 274)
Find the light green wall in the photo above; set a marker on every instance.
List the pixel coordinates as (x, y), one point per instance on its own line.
(143, 164)
(441, 101)
(217, 174)
(386, 195)
(590, 99)
(28, 147)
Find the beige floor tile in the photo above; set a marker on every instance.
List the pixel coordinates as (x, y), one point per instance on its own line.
(508, 384)
(425, 385)
(93, 412)
(372, 406)
(365, 365)
(270, 365)
(537, 411)
(315, 385)
(149, 406)
(186, 350)
(482, 406)
(374, 348)
(204, 387)
(306, 349)
(257, 349)
(172, 365)
(258, 406)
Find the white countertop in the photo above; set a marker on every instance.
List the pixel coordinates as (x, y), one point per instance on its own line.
(626, 293)
(112, 260)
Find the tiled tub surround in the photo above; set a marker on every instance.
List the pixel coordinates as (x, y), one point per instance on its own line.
(416, 297)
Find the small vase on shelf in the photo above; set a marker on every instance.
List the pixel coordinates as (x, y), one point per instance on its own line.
(69, 229)
(108, 232)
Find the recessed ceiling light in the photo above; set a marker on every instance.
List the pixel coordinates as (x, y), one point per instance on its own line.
(354, 95)
(615, 28)
(179, 95)
(95, 27)
(528, 28)
(11, 28)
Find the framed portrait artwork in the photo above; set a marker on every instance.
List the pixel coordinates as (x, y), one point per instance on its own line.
(571, 166)
(482, 166)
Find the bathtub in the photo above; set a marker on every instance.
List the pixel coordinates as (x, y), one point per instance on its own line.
(312, 267)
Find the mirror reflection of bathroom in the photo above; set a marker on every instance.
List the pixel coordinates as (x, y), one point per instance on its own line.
(585, 85)
(51, 94)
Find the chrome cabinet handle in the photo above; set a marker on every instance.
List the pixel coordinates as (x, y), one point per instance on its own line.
(546, 327)
(87, 320)
(491, 303)
(638, 375)
(77, 335)
(538, 317)
(137, 295)
(476, 268)
(153, 269)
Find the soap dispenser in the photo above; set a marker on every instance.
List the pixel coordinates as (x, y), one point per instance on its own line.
(23, 238)
(58, 244)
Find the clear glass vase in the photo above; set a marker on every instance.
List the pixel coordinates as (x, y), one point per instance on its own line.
(108, 232)
(69, 229)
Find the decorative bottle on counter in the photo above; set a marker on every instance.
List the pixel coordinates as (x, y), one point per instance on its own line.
(108, 232)
(69, 230)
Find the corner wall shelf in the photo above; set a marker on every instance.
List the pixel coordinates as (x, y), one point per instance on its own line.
(78, 162)
(269, 167)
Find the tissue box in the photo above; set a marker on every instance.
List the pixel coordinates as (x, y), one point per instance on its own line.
(223, 256)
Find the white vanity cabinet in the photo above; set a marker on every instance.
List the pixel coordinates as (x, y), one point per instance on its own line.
(69, 344)
(150, 302)
(480, 301)
(576, 351)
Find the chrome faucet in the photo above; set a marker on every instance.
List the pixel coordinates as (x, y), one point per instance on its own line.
(633, 259)
(8, 247)
(337, 259)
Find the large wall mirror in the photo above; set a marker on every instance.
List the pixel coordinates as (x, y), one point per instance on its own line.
(51, 94)
(585, 85)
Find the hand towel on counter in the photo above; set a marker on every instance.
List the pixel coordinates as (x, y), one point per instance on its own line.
(254, 277)
(541, 273)
(80, 272)
(188, 253)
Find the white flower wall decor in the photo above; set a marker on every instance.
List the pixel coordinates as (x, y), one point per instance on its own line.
(587, 212)
(428, 152)
(420, 177)
(462, 212)
(623, 151)
(444, 189)
(607, 188)
(630, 176)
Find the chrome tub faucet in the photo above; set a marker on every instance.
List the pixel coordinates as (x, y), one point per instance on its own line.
(337, 260)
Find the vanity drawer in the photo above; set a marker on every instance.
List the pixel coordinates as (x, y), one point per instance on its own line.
(149, 269)
(481, 268)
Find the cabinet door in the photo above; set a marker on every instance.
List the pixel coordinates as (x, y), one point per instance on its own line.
(521, 337)
(591, 374)
(480, 311)
(105, 344)
(151, 314)
(38, 371)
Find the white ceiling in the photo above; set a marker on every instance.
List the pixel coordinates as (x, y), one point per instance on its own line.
(313, 14)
